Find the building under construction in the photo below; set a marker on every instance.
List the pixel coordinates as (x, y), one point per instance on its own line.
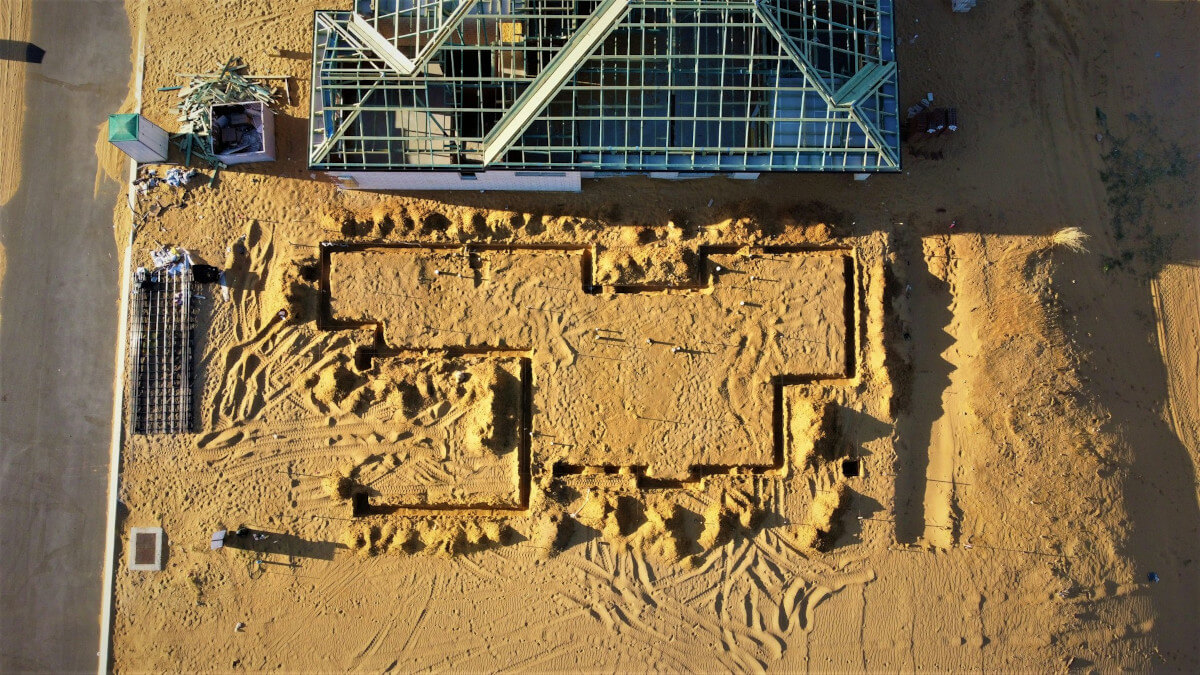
(536, 94)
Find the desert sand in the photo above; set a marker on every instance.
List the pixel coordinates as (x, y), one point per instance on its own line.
(12, 85)
(15, 27)
(543, 432)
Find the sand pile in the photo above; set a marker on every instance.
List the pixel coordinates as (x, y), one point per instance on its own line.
(648, 256)
(428, 536)
(658, 526)
(810, 433)
(339, 486)
(292, 289)
(334, 385)
(494, 396)
(15, 27)
(732, 513)
(823, 526)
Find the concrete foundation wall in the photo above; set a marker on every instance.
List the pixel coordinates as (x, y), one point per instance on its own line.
(518, 181)
(514, 181)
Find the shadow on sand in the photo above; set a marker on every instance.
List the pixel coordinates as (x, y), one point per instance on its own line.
(280, 543)
(16, 50)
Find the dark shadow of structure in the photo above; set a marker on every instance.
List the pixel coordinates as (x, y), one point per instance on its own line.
(920, 397)
(17, 50)
(280, 543)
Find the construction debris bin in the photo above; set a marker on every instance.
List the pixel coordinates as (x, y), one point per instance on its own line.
(138, 137)
(243, 132)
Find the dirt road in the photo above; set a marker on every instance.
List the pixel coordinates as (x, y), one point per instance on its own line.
(58, 321)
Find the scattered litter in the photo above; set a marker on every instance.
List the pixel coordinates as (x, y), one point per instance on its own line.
(147, 182)
(167, 255)
(921, 105)
(171, 259)
(178, 177)
(933, 121)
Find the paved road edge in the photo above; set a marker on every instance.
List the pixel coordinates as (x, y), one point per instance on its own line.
(104, 655)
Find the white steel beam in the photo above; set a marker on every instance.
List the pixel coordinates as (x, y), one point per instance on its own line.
(375, 41)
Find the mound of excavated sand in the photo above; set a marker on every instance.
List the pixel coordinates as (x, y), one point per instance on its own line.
(334, 384)
(809, 429)
(821, 529)
(429, 536)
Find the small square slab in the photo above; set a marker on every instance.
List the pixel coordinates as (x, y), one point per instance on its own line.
(146, 549)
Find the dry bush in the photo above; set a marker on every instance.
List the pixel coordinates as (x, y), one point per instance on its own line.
(1072, 238)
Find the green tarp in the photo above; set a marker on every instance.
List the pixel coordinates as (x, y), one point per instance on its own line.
(123, 127)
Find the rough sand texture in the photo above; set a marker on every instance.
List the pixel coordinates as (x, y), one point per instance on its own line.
(1019, 473)
(13, 26)
(668, 381)
(464, 447)
(1177, 300)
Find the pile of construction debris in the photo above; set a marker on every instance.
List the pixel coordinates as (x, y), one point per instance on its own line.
(924, 119)
(147, 179)
(234, 130)
(198, 134)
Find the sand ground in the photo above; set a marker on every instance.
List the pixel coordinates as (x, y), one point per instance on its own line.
(1024, 415)
(58, 308)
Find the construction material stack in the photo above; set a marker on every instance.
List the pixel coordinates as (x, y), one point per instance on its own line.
(208, 98)
(162, 315)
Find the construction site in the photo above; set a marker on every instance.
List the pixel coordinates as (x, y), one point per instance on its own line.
(655, 335)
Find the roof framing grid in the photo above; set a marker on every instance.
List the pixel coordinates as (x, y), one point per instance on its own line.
(624, 85)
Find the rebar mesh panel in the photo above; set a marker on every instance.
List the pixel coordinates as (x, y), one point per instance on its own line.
(161, 341)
